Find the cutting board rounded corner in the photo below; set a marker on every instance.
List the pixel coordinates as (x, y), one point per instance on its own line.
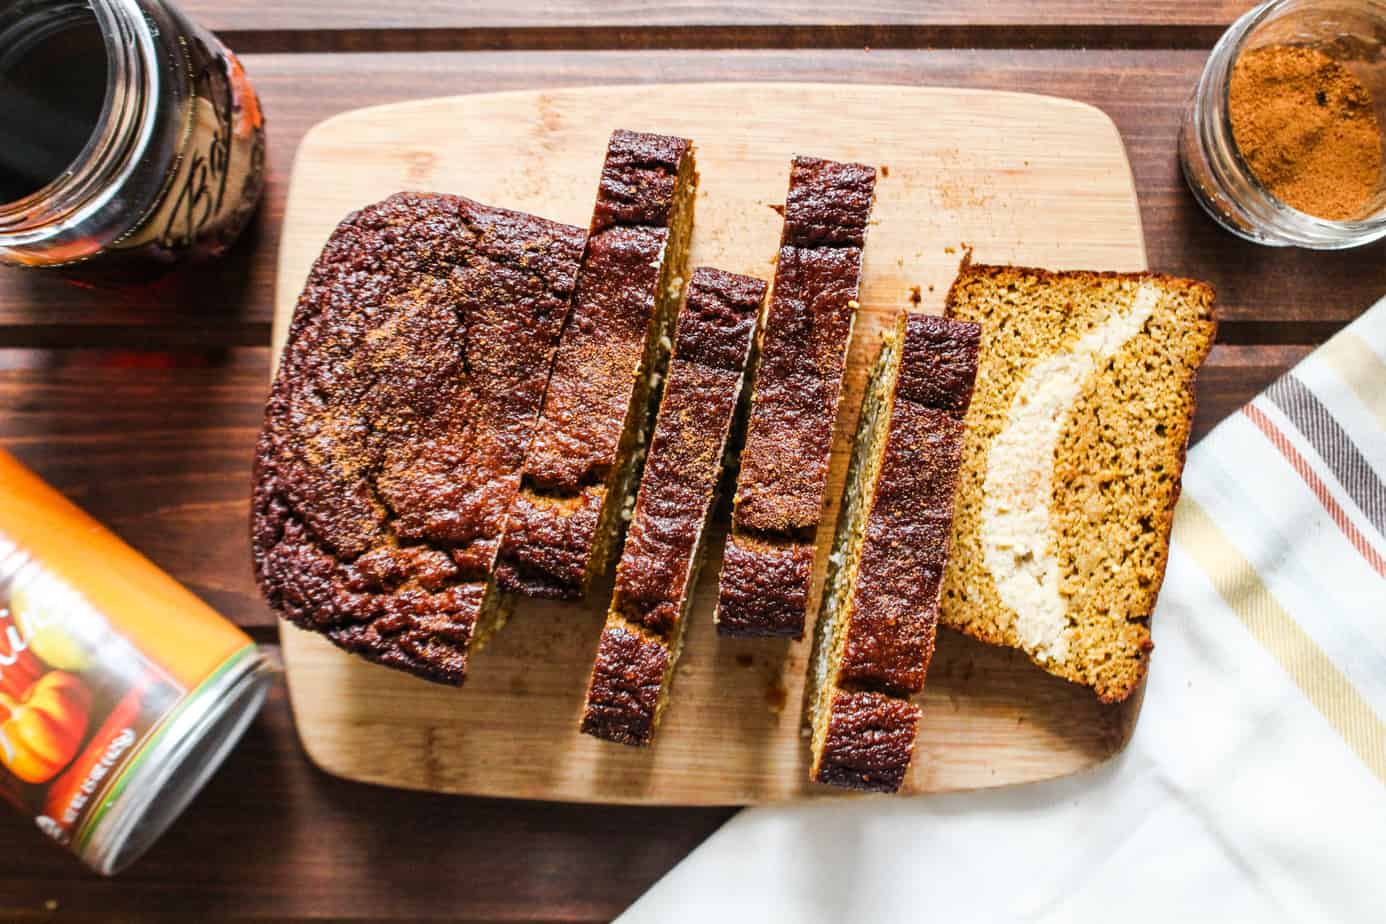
(964, 166)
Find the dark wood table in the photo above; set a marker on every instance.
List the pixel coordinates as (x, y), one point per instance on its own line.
(144, 406)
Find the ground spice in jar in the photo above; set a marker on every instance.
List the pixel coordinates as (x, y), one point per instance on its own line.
(1307, 128)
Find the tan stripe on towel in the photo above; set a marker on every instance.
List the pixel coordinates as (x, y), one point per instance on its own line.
(1312, 671)
(1362, 369)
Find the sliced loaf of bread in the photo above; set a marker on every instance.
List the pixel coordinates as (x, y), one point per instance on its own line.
(767, 565)
(581, 468)
(1073, 453)
(643, 635)
(875, 633)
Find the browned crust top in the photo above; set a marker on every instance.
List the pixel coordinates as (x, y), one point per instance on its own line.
(784, 465)
(869, 743)
(627, 681)
(397, 423)
(638, 179)
(718, 319)
(589, 390)
(828, 204)
(764, 586)
(685, 458)
(894, 610)
(578, 440)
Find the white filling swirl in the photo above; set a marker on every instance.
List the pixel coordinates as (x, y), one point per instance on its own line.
(1017, 542)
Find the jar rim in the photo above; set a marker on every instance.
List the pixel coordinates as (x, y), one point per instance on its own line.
(118, 141)
(1308, 229)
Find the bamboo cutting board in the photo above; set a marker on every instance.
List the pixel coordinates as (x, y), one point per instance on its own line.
(1021, 179)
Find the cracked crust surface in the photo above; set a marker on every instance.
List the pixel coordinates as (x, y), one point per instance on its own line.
(870, 741)
(798, 386)
(654, 582)
(398, 421)
(592, 429)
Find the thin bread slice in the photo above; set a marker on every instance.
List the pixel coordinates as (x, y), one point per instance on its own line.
(643, 635)
(405, 399)
(1073, 456)
(767, 568)
(565, 523)
(875, 633)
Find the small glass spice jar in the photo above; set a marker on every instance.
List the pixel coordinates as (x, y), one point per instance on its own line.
(164, 132)
(1351, 33)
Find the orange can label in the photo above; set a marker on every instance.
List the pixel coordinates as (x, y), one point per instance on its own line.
(99, 649)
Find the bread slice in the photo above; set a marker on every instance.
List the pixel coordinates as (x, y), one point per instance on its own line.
(1074, 450)
(579, 473)
(875, 633)
(644, 630)
(767, 567)
(397, 425)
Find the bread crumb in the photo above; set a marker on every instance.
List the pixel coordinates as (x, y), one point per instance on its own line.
(950, 250)
(885, 170)
(916, 296)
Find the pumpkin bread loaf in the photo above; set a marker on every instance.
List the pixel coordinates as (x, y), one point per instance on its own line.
(664, 548)
(1071, 464)
(397, 425)
(579, 473)
(767, 568)
(875, 633)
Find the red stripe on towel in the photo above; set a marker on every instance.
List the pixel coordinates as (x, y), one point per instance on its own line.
(1315, 483)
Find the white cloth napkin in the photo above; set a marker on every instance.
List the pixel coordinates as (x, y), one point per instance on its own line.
(1254, 788)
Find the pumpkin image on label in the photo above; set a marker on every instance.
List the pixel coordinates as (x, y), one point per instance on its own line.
(41, 732)
(48, 638)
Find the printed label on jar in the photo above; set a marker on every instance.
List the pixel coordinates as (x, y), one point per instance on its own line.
(220, 172)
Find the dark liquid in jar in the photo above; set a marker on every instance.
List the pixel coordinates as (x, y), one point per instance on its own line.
(52, 88)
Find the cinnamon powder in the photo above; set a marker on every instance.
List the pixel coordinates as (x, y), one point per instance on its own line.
(1307, 128)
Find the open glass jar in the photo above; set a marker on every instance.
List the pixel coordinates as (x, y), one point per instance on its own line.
(1352, 33)
(163, 129)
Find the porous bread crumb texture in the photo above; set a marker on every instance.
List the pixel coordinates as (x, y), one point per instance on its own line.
(1117, 462)
(397, 424)
(643, 635)
(566, 523)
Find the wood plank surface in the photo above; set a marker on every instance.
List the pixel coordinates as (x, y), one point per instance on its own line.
(248, 15)
(1266, 294)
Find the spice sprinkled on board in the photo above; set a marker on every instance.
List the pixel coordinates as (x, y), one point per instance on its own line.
(1307, 128)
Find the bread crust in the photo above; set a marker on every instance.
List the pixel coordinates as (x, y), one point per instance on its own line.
(641, 638)
(969, 273)
(397, 424)
(798, 386)
(562, 522)
(890, 620)
(870, 741)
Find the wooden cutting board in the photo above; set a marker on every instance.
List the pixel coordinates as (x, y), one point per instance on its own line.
(1019, 178)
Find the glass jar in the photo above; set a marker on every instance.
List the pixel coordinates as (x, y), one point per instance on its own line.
(1352, 32)
(174, 163)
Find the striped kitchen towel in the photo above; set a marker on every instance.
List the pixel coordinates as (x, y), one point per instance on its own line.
(1254, 787)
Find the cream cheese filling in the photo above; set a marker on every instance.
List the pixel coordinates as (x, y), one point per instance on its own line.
(1017, 542)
